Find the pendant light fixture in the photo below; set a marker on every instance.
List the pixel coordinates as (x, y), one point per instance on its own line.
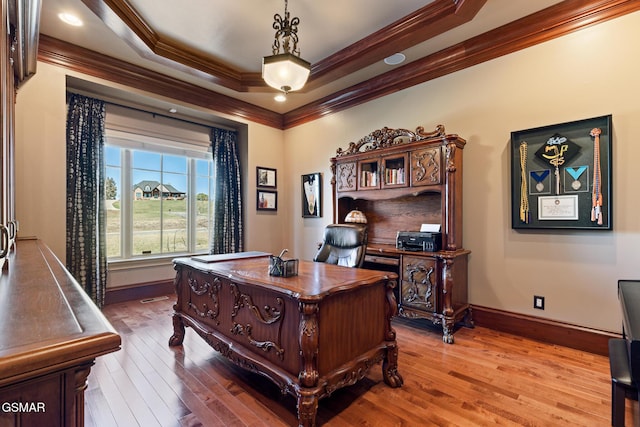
(285, 70)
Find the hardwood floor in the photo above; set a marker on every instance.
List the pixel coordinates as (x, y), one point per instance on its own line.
(486, 378)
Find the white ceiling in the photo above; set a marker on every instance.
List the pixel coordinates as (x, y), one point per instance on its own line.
(239, 33)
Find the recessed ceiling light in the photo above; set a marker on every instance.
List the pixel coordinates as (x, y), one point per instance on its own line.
(173, 110)
(71, 19)
(281, 97)
(395, 59)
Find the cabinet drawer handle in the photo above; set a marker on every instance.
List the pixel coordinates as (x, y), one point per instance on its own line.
(4, 235)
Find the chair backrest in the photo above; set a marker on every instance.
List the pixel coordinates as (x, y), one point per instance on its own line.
(344, 244)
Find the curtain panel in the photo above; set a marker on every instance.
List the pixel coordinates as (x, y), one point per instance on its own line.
(86, 245)
(227, 232)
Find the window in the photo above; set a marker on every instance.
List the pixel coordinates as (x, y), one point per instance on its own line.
(159, 185)
(158, 201)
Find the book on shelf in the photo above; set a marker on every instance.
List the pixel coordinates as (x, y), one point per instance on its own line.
(394, 176)
(369, 179)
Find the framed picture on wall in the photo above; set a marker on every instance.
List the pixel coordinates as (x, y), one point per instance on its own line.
(267, 200)
(266, 177)
(561, 176)
(312, 195)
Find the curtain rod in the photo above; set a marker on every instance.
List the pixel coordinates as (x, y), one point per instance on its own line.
(117, 104)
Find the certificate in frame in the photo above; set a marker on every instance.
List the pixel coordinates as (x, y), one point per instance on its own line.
(267, 200)
(561, 176)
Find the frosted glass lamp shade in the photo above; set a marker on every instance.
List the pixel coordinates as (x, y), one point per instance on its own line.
(356, 216)
(285, 71)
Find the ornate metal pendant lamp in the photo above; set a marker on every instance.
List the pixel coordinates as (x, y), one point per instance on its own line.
(285, 71)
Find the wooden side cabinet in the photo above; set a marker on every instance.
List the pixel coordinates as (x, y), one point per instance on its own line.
(401, 179)
(50, 335)
(434, 287)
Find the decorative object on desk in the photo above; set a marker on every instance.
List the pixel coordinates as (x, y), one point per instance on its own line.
(312, 195)
(267, 200)
(285, 71)
(280, 267)
(356, 217)
(266, 177)
(552, 189)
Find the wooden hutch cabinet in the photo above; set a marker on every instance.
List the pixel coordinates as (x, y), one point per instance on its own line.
(401, 179)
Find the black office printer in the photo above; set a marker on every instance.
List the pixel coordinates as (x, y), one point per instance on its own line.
(419, 241)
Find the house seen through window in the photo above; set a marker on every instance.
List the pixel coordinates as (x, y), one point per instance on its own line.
(157, 202)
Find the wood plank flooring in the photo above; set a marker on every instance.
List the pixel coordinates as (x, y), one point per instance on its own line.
(486, 378)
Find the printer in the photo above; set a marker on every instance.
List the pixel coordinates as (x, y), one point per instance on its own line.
(419, 241)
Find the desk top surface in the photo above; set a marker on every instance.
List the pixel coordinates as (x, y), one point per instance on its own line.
(47, 318)
(315, 280)
(629, 294)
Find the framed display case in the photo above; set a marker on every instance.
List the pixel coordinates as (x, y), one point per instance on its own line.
(561, 176)
(312, 195)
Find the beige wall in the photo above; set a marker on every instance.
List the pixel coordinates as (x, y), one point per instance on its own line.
(41, 176)
(586, 74)
(41, 158)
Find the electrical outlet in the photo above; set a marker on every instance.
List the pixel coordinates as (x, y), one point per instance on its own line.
(538, 302)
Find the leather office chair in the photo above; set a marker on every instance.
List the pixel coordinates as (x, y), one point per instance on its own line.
(344, 244)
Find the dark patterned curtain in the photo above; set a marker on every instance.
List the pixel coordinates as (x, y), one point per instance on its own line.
(86, 247)
(227, 196)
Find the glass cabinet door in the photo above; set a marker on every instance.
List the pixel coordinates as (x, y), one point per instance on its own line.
(394, 171)
(368, 174)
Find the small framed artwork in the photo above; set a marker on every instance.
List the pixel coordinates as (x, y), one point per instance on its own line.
(266, 177)
(267, 200)
(312, 195)
(561, 176)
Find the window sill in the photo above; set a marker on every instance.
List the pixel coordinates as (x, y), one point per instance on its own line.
(147, 262)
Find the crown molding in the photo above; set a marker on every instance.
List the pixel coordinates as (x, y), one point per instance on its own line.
(121, 18)
(85, 61)
(432, 20)
(429, 21)
(548, 24)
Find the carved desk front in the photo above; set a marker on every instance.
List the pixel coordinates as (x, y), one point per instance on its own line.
(310, 334)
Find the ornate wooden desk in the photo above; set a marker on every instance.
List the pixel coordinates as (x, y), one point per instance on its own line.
(310, 334)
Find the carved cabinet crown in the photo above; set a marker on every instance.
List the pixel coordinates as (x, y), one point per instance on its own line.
(396, 164)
